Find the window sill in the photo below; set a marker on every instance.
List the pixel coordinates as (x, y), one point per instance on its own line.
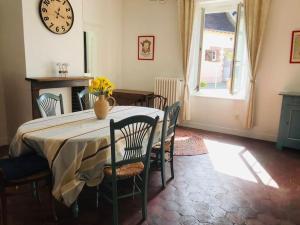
(219, 94)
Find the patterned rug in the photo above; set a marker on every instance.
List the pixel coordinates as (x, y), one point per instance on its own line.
(189, 142)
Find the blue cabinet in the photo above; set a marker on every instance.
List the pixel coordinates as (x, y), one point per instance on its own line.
(289, 128)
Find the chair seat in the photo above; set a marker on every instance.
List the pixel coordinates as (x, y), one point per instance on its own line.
(156, 147)
(35, 177)
(128, 170)
(24, 168)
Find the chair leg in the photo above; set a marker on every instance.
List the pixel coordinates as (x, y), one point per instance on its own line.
(172, 164)
(3, 208)
(145, 196)
(133, 188)
(157, 159)
(115, 202)
(144, 204)
(52, 200)
(75, 209)
(172, 159)
(163, 168)
(97, 196)
(35, 191)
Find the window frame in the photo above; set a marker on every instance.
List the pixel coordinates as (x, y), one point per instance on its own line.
(215, 7)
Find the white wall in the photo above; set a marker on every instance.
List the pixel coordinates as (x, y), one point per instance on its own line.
(44, 49)
(28, 49)
(3, 125)
(144, 17)
(102, 19)
(275, 73)
(12, 63)
(117, 24)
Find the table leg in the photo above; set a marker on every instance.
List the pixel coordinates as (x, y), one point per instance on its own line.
(75, 209)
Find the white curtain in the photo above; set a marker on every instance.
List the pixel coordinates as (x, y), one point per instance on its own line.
(186, 20)
(256, 14)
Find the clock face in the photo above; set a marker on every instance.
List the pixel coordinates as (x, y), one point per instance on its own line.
(57, 15)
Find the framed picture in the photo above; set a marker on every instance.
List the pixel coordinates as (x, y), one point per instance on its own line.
(295, 47)
(146, 46)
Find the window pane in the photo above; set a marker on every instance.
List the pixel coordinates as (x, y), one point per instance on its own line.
(218, 47)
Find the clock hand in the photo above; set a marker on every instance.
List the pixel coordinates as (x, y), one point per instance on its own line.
(61, 16)
(57, 14)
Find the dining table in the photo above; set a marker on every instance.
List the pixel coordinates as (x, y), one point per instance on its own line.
(76, 145)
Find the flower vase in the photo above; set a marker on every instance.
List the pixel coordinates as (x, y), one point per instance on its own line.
(102, 107)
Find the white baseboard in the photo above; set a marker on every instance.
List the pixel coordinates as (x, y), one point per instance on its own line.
(225, 130)
(3, 141)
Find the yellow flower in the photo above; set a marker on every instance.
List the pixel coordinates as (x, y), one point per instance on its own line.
(95, 84)
(102, 85)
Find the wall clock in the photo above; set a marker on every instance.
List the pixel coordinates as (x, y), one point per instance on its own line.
(57, 15)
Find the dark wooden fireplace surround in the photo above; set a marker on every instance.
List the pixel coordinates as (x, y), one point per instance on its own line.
(77, 84)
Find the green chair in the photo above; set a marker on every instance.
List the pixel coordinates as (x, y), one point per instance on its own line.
(86, 99)
(156, 101)
(47, 104)
(166, 146)
(137, 132)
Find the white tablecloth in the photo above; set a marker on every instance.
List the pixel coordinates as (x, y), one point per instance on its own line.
(76, 145)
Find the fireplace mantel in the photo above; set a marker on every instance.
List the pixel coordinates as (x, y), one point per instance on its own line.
(77, 83)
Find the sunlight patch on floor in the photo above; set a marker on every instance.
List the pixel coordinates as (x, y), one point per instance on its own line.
(258, 169)
(182, 138)
(236, 161)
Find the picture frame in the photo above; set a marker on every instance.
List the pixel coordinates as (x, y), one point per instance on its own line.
(146, 47)
(295, 47)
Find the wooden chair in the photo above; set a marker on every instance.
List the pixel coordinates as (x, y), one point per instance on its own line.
(156, 101)
(137, 133)
(27, 169)
(86, 99)
(166, 145)
(47, 104)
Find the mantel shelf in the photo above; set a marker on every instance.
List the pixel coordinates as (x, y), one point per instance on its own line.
(47, 79)
(76, 83)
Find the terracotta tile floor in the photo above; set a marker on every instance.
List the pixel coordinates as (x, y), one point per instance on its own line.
(240, 181)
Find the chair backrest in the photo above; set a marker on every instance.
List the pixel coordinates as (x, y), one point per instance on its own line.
(156, 101)
(138, 133)
(47, 104)
(86, 99)
(170, 121)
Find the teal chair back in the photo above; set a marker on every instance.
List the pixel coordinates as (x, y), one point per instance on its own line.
(138, 133)
(86, 99)
(168, 137)
(47, 104)
(170, 121)
(156, 101)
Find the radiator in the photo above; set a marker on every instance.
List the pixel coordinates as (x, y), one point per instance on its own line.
(171, 88)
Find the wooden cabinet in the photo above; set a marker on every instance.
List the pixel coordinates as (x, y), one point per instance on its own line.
(289, 128)
(131, 97)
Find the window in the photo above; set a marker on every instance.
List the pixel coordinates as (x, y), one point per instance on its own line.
(212, 55)
(222, 62)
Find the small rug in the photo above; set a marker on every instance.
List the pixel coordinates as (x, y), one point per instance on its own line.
(189, 142)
